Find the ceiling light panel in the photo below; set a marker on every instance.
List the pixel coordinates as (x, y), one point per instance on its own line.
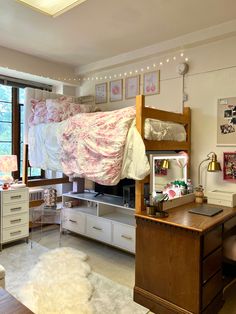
(52, 7)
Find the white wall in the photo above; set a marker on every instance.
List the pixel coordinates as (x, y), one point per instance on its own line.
(212, 75)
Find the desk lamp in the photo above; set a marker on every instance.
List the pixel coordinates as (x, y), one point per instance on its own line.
(213, 165)
(8, 163)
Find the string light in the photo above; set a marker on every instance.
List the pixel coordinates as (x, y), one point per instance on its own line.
(182, 54)
(186, 59)
(154, 65)
(161, 63)
(167, 60)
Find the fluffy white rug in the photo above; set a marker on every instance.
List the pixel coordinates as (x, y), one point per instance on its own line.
(21, 263)
(59, 284)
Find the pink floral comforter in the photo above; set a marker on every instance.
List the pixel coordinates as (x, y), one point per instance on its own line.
(92, 145)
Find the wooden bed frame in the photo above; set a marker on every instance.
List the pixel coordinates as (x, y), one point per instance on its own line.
(143, 113)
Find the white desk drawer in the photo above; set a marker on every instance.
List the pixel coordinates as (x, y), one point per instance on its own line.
(73, 221)
(14, 233)
(15, 220)
(15, 196)
(20, 207)
(124, 236)
(99, 229)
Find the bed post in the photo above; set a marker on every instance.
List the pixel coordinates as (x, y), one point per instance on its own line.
(25, 165)
(139, 185)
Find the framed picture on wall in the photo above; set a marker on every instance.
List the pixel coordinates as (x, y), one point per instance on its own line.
(132, 86)
(101, 93)
(230, 166)
(116, 90)
(151, 83)
(226, 122)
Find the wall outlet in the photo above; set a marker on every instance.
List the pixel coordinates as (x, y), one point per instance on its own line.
(185, 97)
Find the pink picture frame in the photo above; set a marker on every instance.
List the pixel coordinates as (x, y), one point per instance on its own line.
(151, 83)
(116, 90)
(132, 86)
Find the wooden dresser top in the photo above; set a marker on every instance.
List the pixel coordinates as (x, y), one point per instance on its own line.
(181, 218)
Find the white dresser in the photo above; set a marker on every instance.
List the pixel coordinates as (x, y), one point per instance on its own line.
(103, 218)
(14, 208)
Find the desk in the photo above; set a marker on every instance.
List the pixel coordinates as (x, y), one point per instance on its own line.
(10, 305)
(179, 260)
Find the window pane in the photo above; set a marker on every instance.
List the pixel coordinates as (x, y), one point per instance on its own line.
(21, 132)
(5, 93)
(5, 112)
(21, 95)
(5, 131)
(22, 113)
(5, 148)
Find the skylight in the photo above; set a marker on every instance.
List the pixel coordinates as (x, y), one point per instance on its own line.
(52, 7)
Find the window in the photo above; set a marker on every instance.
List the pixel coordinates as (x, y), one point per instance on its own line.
(12, 125)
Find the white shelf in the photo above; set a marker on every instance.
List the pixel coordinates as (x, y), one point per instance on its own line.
(86, 210)
(121, 218)
(102, 199)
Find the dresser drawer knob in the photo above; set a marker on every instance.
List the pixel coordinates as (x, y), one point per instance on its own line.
(74, 221)
(15, 233)
(15, 209)
(15, 221)
(126, 237)
(96, 228)
(15, 197)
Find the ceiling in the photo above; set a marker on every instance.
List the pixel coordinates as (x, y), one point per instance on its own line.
(100, 29)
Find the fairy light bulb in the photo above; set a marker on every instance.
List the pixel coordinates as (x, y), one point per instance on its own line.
(182, 54)
(161, 63)
(174, 58)
(167, 60)
(142, 70)
(154, 65)
(148, 68)
(186, 59)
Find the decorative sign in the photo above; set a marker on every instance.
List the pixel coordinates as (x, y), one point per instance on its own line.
(230, 166)
(101, 93)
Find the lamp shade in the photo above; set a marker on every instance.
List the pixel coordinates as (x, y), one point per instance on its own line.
(165, 164)
(213, 165)
(8, 163)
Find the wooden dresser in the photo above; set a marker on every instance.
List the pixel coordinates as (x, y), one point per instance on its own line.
(14, 214)
(179, 260)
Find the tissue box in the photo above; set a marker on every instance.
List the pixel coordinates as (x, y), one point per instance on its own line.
(224, 198)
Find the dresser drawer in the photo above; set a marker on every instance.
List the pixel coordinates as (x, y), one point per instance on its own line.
(15, 220)
(14, 233)
(212, 240)
(124, 237)
(98, 228)
(211, 289)
(211, 265)
(10, 209)
(15, 196)
(73, 221)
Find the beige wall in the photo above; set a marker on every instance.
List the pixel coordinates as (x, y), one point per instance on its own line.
(212, 75)
(21, 62)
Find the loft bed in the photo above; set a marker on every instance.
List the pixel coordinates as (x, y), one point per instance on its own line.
(142, 113)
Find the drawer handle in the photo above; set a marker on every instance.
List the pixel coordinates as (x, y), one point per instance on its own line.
(126, 237)
(15, 197)
(15, 221)
(96, 228)
(15, 233)
(15, 209)
(74, 221)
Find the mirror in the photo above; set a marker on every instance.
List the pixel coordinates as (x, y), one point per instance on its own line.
(167, 168)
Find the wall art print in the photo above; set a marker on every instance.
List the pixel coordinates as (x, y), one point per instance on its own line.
(226, 122)
(116, 90)
(151, 83)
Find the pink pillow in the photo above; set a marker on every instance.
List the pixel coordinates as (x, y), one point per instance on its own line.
(39, 112)
(61, 110)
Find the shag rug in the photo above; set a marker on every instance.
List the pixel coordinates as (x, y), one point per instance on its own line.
(60, 281)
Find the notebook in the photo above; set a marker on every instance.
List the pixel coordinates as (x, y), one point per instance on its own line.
(205, 211)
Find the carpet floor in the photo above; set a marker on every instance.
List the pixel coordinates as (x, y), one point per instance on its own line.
(107, 296)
